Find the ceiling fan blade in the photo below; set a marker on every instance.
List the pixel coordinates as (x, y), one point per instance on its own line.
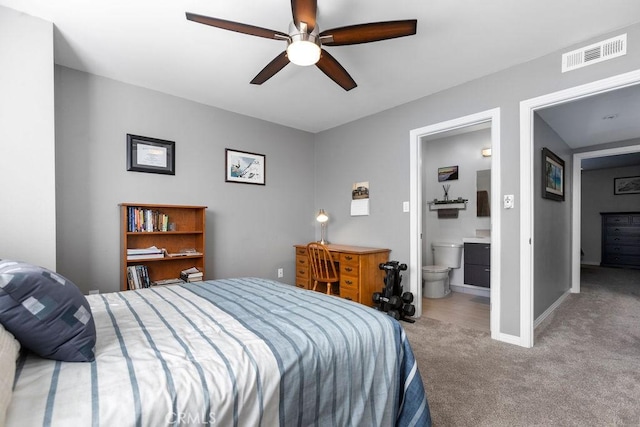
(305, 11)
(278, 63)
(237, 27)
(336, 72)
(365, 33)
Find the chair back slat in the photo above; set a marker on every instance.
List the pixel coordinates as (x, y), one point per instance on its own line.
(323, 268)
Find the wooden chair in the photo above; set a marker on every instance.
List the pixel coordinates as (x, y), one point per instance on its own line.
(323, 269)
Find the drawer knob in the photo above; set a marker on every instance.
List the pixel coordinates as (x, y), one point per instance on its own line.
(348, 282)
(348, 257)
(348, 269)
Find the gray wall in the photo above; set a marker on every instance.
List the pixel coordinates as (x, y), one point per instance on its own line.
(251, 229)
(376, 149)
(597, 196)
(552, 224)
(27, 144)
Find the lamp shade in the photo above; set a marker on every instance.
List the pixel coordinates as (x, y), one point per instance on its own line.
(322, 216)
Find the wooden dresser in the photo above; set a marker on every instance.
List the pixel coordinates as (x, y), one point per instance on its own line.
(358, 267)
(620, 239)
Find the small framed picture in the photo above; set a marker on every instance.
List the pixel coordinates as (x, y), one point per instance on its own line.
(151, 155)
(552, 176)
(626, 185)
(244, 167)
(448, 173)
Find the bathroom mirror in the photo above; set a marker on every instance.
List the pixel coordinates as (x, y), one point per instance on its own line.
(483, 189)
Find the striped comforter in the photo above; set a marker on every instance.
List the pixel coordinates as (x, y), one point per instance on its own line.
(236, 352)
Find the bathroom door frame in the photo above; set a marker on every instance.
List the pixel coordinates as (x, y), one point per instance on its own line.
(416, 139)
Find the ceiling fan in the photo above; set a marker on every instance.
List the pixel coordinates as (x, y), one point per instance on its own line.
(305, 41)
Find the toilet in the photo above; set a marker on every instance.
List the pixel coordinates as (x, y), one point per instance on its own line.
(436, 277)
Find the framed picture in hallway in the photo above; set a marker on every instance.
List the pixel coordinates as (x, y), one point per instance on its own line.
(626, 185)
(552, 176)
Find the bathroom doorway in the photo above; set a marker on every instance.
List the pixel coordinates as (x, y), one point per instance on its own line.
(421, 195)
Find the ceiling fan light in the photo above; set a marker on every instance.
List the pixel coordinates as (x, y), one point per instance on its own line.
(303, 50)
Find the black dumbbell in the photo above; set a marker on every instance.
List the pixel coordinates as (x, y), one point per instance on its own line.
(407, 297)
(409, 309)
(395, 302)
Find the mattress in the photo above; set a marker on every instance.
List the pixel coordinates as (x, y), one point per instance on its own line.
(235, 352)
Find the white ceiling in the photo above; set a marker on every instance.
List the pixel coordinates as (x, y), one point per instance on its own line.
(607, 117)
(149, 43)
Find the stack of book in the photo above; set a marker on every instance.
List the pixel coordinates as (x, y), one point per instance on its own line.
(138, 277)
(145, 253)
(191, 275)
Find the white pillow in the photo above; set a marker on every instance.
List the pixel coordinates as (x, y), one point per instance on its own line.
(9, 349)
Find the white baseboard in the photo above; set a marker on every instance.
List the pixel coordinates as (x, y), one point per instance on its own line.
(474, 290)
(596, 263)
(551, 308)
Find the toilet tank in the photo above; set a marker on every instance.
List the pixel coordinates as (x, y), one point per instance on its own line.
(447, 254)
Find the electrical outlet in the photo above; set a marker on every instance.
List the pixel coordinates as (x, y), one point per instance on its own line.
(508, 201)
(405, 206)
(280, 273)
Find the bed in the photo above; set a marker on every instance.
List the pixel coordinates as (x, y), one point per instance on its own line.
(235, 352)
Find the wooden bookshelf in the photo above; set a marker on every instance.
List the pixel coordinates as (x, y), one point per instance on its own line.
(188, 233)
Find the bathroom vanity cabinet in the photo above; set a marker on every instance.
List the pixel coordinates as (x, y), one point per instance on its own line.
(477, 264)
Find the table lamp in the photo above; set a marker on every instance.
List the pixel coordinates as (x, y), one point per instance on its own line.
(322, 218)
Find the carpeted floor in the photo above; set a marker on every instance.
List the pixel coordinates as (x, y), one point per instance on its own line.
(584, 369)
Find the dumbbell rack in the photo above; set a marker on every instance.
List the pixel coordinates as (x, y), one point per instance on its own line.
(392, 299)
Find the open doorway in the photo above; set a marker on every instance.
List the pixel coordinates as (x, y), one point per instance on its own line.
(420, 136)
(528, 110)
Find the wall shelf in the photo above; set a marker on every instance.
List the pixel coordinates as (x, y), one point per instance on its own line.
(460, 203)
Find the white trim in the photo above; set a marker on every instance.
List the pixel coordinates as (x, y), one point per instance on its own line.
(576, 206)
(509, 339)
(415, 200)
(527, 108)
(551, 308)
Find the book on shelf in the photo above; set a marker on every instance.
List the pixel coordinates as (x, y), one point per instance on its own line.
(146, 220)
(145, 253)
(190, 253)
(164, 282)
(138, 277)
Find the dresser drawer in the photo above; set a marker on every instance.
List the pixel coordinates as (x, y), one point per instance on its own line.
(349, 282)
(617, 219)
(614, 259)
(622, 231)
(622, 250)
(302, 272)
(349, 270)
(302, 283)
(349, 294)
(302, 261)
(621, 239)
(301, 252)
(351, 260)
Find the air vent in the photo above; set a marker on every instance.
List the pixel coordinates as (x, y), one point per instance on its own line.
(592, 54)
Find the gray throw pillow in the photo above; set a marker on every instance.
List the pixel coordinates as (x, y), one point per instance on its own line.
(46, 312)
